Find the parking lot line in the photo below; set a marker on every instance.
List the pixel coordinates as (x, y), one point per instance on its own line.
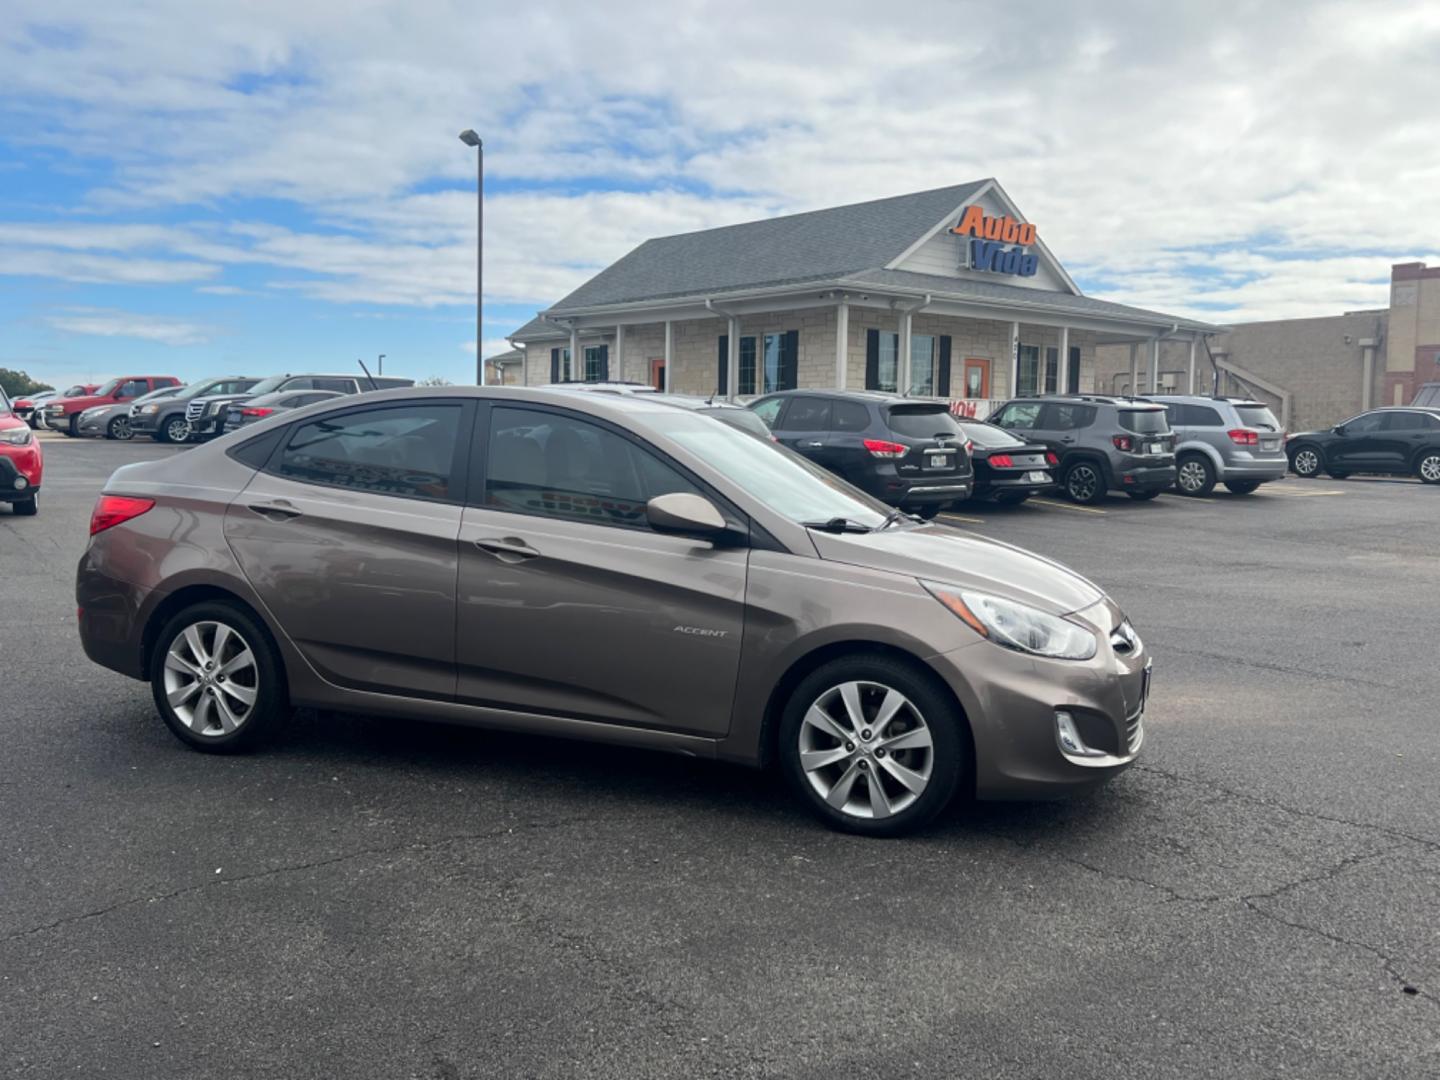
(1067, 506)
(961, 517)
(1183, 500)
(1301, 494)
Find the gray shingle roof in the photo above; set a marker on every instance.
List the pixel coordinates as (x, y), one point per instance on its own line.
(818, 245)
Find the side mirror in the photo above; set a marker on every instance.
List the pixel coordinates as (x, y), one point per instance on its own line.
(1338, 429)
(684, 514)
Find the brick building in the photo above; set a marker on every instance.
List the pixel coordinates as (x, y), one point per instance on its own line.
(948, 294)
(1315, 372)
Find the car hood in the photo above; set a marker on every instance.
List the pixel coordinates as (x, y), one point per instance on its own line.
(939, 553)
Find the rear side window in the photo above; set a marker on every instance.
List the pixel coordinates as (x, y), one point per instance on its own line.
(1144, 421)
(1067, 417)
(922, 421)
(1255, 416)
(404, 450)
(1205, 416)
(806, 414)
(849, 416)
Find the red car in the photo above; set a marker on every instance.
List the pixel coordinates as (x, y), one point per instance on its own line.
(63, 414)
(30, 406)
(21, 462)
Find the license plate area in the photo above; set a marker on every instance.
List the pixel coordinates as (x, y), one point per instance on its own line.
(1155, 448)
(937, 461)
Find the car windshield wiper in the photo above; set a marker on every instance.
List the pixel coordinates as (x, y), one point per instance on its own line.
(837, 525)
(891, 518)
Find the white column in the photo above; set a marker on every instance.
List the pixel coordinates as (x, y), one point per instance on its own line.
(1062, 376)
(1155, 366)
(1367, 389)
(842, 344)
(732, 366)
(1134, 367)
(669, 351)
(1014, 358)
(902, 362)
(575, 364)
(619, 353)
(525, 365)
(1191, 383)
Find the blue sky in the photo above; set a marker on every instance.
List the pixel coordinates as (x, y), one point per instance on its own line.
(193, 188)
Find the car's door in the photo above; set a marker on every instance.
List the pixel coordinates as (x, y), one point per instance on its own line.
(348, 535)
(804, 426)
(569, 604)
(1356, 446)
(845, 451)
(1060, 424)
(1401, 435)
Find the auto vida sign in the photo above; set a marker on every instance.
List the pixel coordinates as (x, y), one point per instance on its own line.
(998, 244)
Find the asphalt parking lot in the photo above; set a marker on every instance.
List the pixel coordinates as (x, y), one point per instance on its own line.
(1257, 897)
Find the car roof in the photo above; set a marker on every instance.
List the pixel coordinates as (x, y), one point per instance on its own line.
(1202, 399)
(1120, 400)
(878, 397)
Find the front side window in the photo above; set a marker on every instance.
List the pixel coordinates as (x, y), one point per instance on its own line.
(769, 410)
(1364, 424)
(1022, 414)
(1028, 377)
(556, 465)
(807, 414)
(404, 450)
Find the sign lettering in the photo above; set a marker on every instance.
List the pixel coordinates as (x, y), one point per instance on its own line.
(988, 237)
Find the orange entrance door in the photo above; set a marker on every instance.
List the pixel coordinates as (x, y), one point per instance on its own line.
(657, 372)
(977, 377)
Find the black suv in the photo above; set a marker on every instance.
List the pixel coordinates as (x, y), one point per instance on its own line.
(206, 415)
(908, 453)
(1400, 440)
(164, 420)
(1104, 443)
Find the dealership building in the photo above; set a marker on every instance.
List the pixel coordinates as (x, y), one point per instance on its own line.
(949, 294)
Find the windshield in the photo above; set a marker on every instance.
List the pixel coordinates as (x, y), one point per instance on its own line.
(1257, 416)
(4, 403)
(1144, 421)
(988, 435)
(922, 421)
(164, 391)
(76, 391)
(106, 390)
(776, 477)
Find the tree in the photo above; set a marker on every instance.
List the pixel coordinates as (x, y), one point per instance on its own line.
(18, 383)
(435, 380)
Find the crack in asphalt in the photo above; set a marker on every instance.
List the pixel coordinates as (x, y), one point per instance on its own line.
(314, 864)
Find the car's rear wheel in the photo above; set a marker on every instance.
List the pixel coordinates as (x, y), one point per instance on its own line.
(1242, 487)
(1195, 475)
(1084, 483)
(1337, 474)
(873, 745)
(1428, 467)
(1305, 462)
(119, 428)
(1012, 498)
(217, 679)
(26, 507)
(174, 430)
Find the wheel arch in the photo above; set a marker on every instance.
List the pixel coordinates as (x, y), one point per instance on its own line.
(189, 595)
(1204, 449)
(1421, 454)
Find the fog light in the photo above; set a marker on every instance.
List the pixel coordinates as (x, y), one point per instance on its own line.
(21, 483)
(1070, 740)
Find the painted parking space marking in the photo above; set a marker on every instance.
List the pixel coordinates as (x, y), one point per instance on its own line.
(961, 517)
(1285, 494)
(1067, 506)
(1173, 499)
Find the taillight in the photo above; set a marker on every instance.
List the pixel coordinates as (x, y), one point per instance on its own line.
(112, 510)
(882, 449)
(256, 412)
(1241, 437)
(1052, 458)
(1001, 461)
(1123, 442)
(969, 446)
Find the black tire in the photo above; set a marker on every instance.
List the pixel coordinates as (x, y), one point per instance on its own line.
(26, 507)
(1012, 498)
(1427, 466)
(927, 513)
(170, 428)
(1306, 461)
(1084, 483)
(119, 429)
(270, 700)
(1194, 475)
(72, 429)
(1242, 487)
(1337, 474)
(948, 752)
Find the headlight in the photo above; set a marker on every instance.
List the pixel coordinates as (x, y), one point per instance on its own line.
(19, 436)
(148, 408)
(1016, 626)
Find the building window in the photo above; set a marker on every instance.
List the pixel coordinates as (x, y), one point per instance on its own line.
(594, 363)
(888, 375)
(1052, 369)
(1027, 380)
(747, 367)
(922, 365)
(773, 369)
(560, 365)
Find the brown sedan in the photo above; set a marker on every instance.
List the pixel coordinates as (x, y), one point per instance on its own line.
(611, 568)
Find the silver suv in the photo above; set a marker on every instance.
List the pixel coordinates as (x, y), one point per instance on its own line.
(1103, 442)
(1234, 441)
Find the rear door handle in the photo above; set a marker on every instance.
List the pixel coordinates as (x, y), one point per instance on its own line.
(509, 549)
(279, 510)
(813, 443)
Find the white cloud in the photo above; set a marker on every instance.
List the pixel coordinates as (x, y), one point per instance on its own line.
(103, 322)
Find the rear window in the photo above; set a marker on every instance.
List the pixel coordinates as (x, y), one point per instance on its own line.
(987, 435)
(922, 421)
(1144, 421)
(1257, 416)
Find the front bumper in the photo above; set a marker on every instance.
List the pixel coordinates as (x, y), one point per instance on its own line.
(94, 425)
(1013, 702)
(20, 472)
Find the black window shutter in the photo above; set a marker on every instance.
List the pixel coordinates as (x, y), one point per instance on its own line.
(604, 363)
(942, 377)
(790, 361)
(554, 365)
(872, 359)
(722, 382)
(1072, 378)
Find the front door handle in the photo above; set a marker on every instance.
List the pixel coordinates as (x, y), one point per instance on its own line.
(816, 443)
(509, 549)
(278, 510)
(1068, 438)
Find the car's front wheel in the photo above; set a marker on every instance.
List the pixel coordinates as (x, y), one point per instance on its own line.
(72, 428)
(174, 430)
(1084, 483)
(873, 745)
(119, 428)
(1305, 462)
(217, 679)
(1428, 467)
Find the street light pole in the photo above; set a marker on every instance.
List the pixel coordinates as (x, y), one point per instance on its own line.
(469, 138)
(380, 365)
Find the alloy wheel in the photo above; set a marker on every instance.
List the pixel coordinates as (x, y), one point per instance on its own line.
(120, 428)
(1081, 483)
(1192, 476)
(866, 749)
(211, 678)
(1307, 462)
(177, 430)
(1430, 469)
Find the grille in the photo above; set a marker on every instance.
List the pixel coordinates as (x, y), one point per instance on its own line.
(194, 410)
